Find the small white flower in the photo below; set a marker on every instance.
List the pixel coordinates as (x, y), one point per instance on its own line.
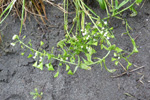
(81, 30)
(105, 34)
(81, 46)
(15, 37)
(115, 55)
(87, 47)
(84, 33)
(98, 23)
(118, 57)
(105, 22)
(94, 26)
(34, 57)
(103, 28)
(13, 44)
(88, 37)
(36, 53)
(66, 58)
(40, 59)
(107, 38)
(74, 37)
(61, 59)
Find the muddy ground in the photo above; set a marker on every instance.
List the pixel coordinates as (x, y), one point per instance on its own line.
(18, 78)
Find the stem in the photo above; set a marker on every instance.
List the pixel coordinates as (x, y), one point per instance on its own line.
(22, 17)
(124, 9)
(120, 11)
(46, 54)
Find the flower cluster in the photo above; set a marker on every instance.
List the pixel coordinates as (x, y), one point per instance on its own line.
(36, 54)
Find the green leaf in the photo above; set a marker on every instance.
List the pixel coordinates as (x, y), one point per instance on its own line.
(116, 3)
(118, 50)
(49, 56)
(91, 50)
(113, 59)
(40, 66)
(112, 47)
(122, 4)
(129, 64)
(65, 53)
(30, 43)
(22, 47)
(32, 93)
(36, 90)
(103, 46)
(77, 65)
(35, 64)
(102, 4)
(70, 72)
(116, 62)
(138, 1)
(67, 67)
(56, 75)
(135, 50)
(75, 69)
(41, 93)
(50, 67)
(111, 70)
(22, 53)
(30, 55)
(85, 61)
(61, 43)
(34, 97)
(42, 43)
(89, 57)
(115, 54)
(24, 37)
(134, 12)
(60, 64)
(93, 43)
(72, 59)
(84, 66)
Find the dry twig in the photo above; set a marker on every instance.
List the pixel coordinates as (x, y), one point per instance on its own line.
(124, 73)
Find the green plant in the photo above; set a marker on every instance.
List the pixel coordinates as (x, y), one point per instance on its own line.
(102, 4)
(77, 48)
(115, 7)
(36, 94)
(9, 7)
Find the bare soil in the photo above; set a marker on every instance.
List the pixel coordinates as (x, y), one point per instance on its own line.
(18, 77)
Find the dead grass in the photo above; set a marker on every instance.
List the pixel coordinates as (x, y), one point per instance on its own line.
(34, 7)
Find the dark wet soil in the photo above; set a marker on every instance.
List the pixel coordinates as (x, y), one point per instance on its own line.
(18, 78)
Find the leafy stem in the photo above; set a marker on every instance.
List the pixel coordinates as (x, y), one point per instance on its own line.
(45, 54)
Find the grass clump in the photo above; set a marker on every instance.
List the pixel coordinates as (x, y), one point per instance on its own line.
(21, 8)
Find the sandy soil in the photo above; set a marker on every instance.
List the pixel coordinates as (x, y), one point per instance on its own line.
(18, 78)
